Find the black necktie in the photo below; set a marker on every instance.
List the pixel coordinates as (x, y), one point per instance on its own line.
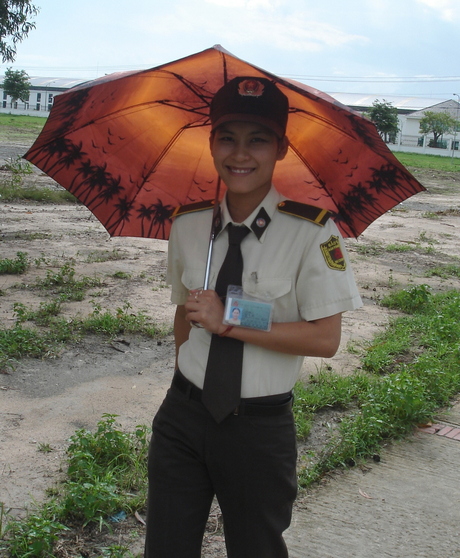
(222, 383)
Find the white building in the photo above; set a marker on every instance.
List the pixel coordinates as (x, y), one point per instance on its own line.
(410, 111)
(41, 97)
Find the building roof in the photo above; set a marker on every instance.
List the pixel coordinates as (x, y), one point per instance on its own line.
(451, 107)
(403, 104)
(54, 83)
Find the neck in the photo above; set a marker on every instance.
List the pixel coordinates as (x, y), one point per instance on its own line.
(240, 206)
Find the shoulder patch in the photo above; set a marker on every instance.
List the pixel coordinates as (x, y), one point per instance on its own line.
(192, 208)
(333, 255)
(303, 211)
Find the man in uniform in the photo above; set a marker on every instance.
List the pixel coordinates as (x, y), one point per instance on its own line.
(242, 450)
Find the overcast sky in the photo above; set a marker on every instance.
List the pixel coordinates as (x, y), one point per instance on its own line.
(393, 47)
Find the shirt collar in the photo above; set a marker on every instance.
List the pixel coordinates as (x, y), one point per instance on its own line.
(259, 219)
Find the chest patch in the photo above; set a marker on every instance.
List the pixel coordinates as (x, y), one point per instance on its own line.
(332, 253)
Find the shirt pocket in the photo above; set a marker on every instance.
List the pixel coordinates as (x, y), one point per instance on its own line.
(268, 290)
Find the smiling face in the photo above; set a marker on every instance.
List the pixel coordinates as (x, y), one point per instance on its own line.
(245, 155)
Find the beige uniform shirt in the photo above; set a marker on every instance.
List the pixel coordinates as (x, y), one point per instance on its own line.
(293, 264)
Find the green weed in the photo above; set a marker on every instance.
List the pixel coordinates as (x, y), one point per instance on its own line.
(64, 283)
(35, 536)
(107, 472)
(399, 248)
(105, 256)
(121, 275)
(412, 368)
(12, 186)
(17, 266)
(444, 271)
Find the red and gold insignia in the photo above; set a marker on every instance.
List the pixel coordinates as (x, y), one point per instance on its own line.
(333, 254)
(251, 88)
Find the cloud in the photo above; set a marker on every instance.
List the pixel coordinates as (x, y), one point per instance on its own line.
(297, 33)
(448, 10)
(258, 22)
(246, 4)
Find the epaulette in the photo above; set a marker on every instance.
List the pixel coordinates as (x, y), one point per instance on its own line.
(192, 207)
(303, 211)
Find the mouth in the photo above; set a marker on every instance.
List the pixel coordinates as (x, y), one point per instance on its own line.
(239, 171)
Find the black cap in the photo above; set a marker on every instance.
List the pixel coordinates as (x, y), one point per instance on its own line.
(251, 99)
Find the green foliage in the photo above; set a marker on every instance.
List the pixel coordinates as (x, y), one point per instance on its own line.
(385, 118)
(41, 332)
(444, 271)
(66, 285)
(15, 25)
(411, 300)
(413, 369)
(12, 186)
(17, 266)
(437, 123)
(34, 536)
(107, 472)
(16, 84)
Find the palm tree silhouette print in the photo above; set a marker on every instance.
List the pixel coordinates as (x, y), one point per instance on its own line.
(155, 214)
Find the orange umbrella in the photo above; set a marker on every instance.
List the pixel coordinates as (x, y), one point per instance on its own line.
(133, 146)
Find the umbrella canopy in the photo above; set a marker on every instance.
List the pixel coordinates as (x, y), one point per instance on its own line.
(133, 146)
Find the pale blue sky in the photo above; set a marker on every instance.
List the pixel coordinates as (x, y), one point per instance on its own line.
(400, 47)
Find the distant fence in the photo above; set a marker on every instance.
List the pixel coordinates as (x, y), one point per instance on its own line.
(420, 144)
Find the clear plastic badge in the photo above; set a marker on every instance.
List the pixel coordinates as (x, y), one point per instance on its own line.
(246, 311)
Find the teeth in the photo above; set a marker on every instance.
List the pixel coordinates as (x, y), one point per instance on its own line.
(240, 171)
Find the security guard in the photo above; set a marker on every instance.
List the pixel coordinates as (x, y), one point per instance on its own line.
(293, 260)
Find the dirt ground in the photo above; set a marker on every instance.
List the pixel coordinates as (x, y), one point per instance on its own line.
(45, 401)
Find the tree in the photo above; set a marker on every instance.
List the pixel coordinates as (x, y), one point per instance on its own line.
(15, 24)
(385, 118)
(437, 123)
(16, 84)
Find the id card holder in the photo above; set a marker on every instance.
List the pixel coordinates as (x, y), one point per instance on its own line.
(246, 311)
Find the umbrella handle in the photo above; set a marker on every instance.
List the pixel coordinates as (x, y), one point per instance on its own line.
(208, 263)
(212, 235)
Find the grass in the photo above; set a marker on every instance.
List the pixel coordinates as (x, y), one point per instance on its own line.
(106, 476)
(444, 271)
(12, 187)
(409, 371)
(435, 162)
(42, 332)
(17, 266)
(13, 126)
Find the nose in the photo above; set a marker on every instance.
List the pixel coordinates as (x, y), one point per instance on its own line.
(240, 153)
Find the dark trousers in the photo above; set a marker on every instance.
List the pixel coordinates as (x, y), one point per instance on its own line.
(248, 462)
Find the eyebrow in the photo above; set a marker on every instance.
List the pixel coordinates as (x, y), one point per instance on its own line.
(257, 131)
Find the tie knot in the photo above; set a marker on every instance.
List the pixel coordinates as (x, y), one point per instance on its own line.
(236, 234)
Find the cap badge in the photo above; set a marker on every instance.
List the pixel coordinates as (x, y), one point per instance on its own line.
(251, 88)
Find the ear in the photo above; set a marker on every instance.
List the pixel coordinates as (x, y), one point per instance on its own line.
(283, 146)
(211, 137)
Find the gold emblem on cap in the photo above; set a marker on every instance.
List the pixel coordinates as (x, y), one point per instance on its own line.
(251, 88)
